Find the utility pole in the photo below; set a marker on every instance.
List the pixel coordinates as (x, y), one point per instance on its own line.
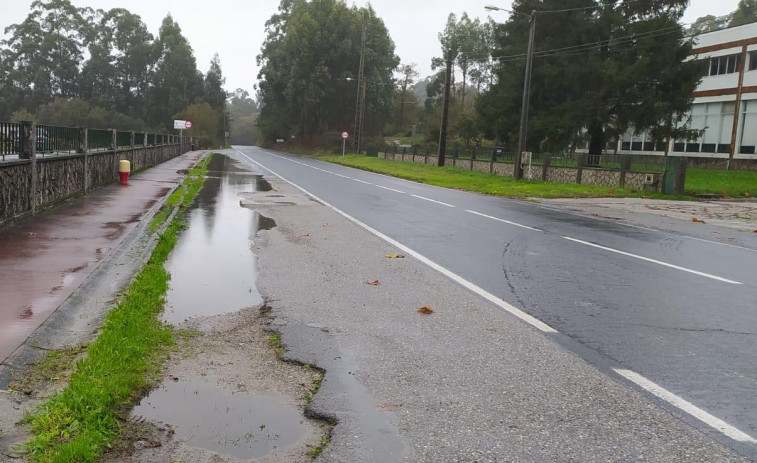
(518, 168)
(360, 97)
(445, 113)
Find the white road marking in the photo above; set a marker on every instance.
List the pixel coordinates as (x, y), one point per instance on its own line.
(686, 406)
(721, 244)
(533, 321)
(683, 269)
(432, 200)
(391, 189)
(362, 181)
(503, 220)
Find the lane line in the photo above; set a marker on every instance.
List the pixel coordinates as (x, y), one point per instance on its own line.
(505, 221)
(722, 244)
(686, 406)
(432, 200)
(665, 264)
(391, 189)
(362, 181)
(533, 321)
(339, 175)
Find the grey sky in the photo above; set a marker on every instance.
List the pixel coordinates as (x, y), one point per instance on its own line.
(235, 29)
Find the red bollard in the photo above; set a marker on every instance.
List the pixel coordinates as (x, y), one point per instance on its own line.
(124, 167)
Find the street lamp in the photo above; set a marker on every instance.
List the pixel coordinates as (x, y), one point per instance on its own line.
(523, 133)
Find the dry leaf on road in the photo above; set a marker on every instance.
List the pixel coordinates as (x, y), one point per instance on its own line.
(697, 220)
(425, 310)
(395, 256)
(373, 282)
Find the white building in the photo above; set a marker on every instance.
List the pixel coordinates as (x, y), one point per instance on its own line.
(728, 89)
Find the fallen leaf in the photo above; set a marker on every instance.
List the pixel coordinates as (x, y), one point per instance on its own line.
(386, 406)
(395, 256)
(755, 231)
(306, 234)
(31, 233)
(697, 220)
(425, 310)
(326, 225)
(373, 282)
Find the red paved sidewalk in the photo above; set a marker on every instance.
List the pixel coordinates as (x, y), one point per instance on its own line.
(43, 259)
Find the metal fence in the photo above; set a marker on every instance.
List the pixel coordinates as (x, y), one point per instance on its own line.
(630, 163)
(57, 141)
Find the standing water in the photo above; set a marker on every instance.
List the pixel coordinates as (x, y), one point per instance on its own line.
(213, 270)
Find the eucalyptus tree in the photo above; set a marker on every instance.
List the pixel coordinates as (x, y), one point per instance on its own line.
(309, 64)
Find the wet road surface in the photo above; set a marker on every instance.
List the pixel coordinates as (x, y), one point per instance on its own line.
(678, 311)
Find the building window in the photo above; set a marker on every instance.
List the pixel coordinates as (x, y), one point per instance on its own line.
(753, 60)
(727, 64)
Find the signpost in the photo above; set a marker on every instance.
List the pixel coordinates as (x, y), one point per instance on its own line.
(345, 136)
(180, 126)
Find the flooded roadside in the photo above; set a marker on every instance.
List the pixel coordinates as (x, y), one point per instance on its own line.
(227, 397)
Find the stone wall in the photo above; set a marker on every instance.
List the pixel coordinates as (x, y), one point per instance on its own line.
(587, 176)
(720, 164)
(61, 177)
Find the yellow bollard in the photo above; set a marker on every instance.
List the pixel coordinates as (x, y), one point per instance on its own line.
(124, 167)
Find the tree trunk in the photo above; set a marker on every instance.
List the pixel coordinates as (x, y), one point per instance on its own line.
(445, 114)
(463, 95)
(597, 138)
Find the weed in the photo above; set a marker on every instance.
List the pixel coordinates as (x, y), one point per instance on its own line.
(314, 388)
(318, 449)
(274, 340)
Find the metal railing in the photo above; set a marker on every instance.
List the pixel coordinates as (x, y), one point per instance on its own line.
(57, 141)
(10, 139)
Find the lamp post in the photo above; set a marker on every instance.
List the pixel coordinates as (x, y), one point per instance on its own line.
(523, 133)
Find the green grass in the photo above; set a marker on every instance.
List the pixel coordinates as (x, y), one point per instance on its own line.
(80, 422)
(480, 182)
(318, 449)
(730, 183)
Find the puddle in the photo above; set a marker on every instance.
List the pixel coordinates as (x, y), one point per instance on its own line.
(213, 271)
(236, 424)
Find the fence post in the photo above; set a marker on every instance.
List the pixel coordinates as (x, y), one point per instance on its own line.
(491, 161)
(455, 154)
(546, 163)
(144, 142)
(114, 139)
(132, 138)
(29, 151)
(625, 166)
(581, 164)
(425, 156)
(473, 155)
(84, 148)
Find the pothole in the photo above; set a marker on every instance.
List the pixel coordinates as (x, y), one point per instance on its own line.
(209, 417)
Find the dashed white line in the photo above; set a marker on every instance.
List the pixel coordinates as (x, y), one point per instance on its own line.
(654, 261)
(362, 181)
(432, 200)
(391, 189)
(533, 321)
(503, 220)
(339, 175)
(686, 406)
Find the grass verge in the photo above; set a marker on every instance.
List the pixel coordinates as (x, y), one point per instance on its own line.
(80, 422)
(480, 182)
(730, 183)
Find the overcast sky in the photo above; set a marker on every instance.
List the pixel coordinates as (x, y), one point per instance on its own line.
(235, 28)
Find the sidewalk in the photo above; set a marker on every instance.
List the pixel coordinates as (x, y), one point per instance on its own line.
(44, 259)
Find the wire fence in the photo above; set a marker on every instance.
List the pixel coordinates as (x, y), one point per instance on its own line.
(58, 141)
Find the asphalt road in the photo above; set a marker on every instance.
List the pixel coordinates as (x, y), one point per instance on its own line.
(678, 311)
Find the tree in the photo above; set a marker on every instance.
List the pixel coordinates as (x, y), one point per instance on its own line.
(215, 95)
(450, 41)
(176, 82)
(204, 123)
(471, 36)
(308, 64)
(43, 54)
(407, 76)
(745, 13)
(709, 23)
(601, 68)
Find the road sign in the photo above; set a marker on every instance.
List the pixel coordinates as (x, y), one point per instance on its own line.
(345, 135)
(187, 125)
(179, 125)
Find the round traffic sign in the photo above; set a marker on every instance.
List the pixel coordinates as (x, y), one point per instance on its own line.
(188, 124)
(345, 135)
